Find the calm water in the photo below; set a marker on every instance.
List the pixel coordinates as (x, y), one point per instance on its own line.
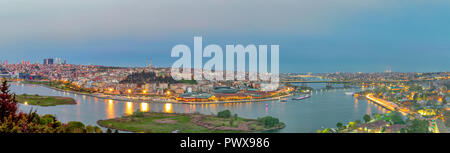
(324, 109)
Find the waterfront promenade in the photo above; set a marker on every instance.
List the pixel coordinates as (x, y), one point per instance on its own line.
(126, 98)
(389, 105)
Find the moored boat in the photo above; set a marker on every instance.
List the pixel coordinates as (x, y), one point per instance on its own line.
(349, 93)
(301, 97)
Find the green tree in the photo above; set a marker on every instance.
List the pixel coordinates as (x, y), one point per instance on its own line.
(366, 118)
(224, 114)
(351, 125)
(418, 126)
(98, 129)
(377, 116)
(45, 120)
(402, 130)
(269, 121)
(339, 125)
(90, 129)
(75, 127)
(396, 118)
(327, 130)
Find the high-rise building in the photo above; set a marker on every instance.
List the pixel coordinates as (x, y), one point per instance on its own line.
(58, 60)
(48, 61)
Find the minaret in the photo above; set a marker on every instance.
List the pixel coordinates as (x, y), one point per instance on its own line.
(150, 63)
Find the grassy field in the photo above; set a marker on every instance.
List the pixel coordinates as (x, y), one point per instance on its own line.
(44, 100)
(152, 122)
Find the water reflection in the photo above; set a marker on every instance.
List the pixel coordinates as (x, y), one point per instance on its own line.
(129, 108)
(168, 108)
(78, 110)
(110, 111)
(267, 108)
(325, 108)
(144, 107)
(369, 111)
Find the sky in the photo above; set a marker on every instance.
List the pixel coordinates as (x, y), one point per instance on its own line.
(314, 35)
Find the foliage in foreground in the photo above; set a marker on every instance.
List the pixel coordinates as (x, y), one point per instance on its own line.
(410, 125)
(14, 121)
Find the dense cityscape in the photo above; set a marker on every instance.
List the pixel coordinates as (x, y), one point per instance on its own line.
(144, 83)
(415, 101)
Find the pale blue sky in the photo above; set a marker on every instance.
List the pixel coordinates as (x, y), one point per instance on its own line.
(314, 36)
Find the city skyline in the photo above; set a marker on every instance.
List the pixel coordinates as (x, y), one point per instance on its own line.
(148, 62)
(350, 36)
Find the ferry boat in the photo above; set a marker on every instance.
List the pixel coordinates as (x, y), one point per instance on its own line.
(301, 97)
(349, 93)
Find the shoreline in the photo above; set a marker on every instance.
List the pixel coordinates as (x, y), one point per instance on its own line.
(44, 101)
(162, 100)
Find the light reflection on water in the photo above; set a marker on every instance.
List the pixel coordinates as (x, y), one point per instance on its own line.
(369, 111)
(168, 108)
(129, 108)
(110, 110)
(324, 109)
(144, 107)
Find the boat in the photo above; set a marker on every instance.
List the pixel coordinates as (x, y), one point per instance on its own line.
(283, 100)
(301, 97)
(349, 93)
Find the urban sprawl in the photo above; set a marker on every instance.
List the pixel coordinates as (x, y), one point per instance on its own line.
(417, 101)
